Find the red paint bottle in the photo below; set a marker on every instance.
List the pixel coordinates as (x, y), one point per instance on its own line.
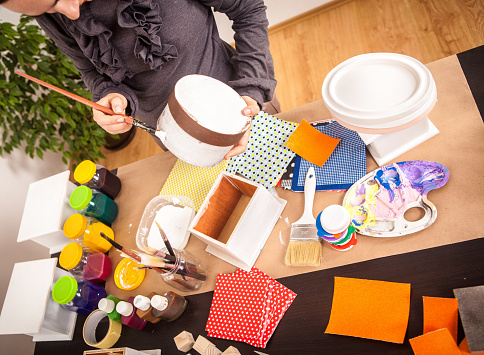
(128, 314)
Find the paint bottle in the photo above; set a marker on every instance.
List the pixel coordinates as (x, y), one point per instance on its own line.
(128, 314)
(108, 305)
(144, 308)
(87, 231)
(168, 306)
(335, 219)
(85, 263)
(92, 203)
(96, 176)
(81, 296)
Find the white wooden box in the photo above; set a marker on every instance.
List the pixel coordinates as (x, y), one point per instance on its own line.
(236, 219)
(29, 308)
(46, 210)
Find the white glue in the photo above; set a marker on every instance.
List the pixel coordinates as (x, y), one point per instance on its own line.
(174, 221)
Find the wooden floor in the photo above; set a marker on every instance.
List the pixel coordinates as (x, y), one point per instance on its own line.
(307, 47)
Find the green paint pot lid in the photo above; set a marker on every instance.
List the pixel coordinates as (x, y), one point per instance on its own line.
(80, 197)
(64, 289)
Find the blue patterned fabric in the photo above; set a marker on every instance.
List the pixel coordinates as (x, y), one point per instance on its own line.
(345, 166)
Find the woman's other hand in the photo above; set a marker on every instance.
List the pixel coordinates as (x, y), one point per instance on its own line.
(113, 124)
(250, 110)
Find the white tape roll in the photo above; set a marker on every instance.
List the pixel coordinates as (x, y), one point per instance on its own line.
(89, 330)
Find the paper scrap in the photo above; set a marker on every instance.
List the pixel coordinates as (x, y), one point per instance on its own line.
(370, 309)
(440, 313)
(312, 145)
(436, 342)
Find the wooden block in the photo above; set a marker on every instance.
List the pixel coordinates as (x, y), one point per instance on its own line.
(184, 341)
(205, 347)
(231, 351)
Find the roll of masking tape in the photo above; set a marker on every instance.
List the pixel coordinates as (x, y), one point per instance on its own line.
(89, 330)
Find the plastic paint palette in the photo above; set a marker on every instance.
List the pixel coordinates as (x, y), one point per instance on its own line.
(378, 201)
(385, 97)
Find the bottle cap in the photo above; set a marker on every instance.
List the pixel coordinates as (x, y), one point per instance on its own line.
(84, 172)
(93, 240)
(80, 197)
(124, 308)
(75, 226)
(142, 302)
(70, 256)
(64, 289)
(335, 219)
(106, 305)
(159, 302)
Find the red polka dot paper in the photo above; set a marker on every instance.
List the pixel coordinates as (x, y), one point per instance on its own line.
(247, 306)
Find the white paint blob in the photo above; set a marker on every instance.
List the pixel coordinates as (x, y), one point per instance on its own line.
(174, 220)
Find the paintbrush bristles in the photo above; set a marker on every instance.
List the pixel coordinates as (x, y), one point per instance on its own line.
(306, 253)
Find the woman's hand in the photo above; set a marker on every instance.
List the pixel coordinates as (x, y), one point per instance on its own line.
(250, 110)
(113, 124)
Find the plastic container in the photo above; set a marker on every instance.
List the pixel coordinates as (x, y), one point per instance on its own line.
(96, 176)
(81, 296)
(85, 263)
(188, 273)
(87, 231)
(108, 305)
(92, 203)
(144, 308)
(335, 219)
(173, 214)
(169, 306)
(128, 314)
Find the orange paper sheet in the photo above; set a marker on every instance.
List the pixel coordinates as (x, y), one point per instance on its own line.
(370, 309)
(440, 313)
(436, 342)
(464, 347)
(312, 145)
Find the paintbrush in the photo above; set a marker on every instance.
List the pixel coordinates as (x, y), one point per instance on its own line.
(133, 121)
(304, 248)
(165, 240)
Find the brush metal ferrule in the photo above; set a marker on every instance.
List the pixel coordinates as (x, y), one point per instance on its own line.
(304, 232)
(144, 126)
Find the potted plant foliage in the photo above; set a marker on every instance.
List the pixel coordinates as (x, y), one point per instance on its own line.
(36, 118)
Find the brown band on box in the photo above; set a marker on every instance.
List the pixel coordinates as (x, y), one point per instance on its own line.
(194, 129)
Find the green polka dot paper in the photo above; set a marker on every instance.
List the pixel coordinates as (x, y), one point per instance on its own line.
(266, 157)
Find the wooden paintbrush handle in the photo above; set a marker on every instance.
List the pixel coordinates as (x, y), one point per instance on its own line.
(78, 98)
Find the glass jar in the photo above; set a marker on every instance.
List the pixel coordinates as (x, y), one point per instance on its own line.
(92, 203)
(87, 231)
(96, 176)
(81, 296)
(85, 263)
(187, 273)
(169, 306)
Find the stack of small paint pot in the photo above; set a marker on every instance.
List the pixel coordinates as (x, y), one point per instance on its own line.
(334, 226)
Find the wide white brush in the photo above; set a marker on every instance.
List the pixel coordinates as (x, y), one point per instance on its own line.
(304, 247)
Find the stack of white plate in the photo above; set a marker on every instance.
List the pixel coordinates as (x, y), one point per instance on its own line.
(385, 97)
